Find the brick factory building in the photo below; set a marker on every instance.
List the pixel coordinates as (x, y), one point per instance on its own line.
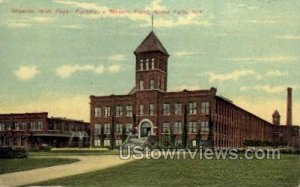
(33, 130)
(149, 109)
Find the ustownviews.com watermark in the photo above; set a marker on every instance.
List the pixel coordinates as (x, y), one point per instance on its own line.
(200, 153)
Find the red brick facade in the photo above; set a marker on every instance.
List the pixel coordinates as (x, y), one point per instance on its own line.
(34, 129)
(149, 108)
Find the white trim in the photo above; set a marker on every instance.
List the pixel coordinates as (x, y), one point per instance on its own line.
(141, 122)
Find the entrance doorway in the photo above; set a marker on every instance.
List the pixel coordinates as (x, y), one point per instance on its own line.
(145, 128)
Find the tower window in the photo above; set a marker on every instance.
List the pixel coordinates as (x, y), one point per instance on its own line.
(141, 66)
(151, 109)
(141, 85)
(141, 109)
(151, 84)
(152, 63)
(147, 65)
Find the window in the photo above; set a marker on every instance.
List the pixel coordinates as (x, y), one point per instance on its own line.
(2, 127)
(152, 63)
(147, 64)
(141, 85)
(97, 111)
(17, 127)
(119, 111)
(177, 127)
(106, 128)
(106, 111)
(178, 108)
(178, 142)
(151, 109)
(141, 65)
(23, 126)
(141, 109)
(166, 109)
(192, 127)
(36, 126)
(205, 107)
(106, 142)
(204, 126)
(118, 128)
(118, 142)
(151, 84)
(97, 129)
(129, 110)
(97, 143)
(193, 108)
(128, 127)
(166, 127)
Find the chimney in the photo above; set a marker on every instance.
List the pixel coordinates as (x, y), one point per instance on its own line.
(276, 118)
(289, 107)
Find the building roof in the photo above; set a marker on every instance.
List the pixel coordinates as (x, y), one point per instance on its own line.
(151, 43)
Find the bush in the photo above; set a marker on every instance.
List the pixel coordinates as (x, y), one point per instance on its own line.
(13, 152)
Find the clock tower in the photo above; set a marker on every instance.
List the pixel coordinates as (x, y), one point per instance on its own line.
(151, 65)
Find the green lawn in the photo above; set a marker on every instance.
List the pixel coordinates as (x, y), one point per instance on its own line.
(284, 172)
(14, 165)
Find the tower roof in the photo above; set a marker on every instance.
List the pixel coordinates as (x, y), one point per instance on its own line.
(276, 114)
(151, 43)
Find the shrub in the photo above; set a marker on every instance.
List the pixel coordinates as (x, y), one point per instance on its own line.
(13, 152)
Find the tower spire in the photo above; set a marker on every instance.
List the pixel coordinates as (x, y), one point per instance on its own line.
(152, 21)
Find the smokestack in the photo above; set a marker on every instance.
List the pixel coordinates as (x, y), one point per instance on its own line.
(289, 107)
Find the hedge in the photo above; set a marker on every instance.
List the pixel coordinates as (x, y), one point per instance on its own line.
(13, 152)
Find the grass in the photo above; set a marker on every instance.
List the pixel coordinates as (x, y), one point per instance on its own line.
(284, 172)
(14, 165)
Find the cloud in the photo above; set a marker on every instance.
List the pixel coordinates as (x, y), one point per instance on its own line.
(186, 87)
(18, 25)
(66, 71)
(265, 59)
(269, 89)
(289, 37)
(26, 72)
(234, 75)
(72, 26)
(117, 57)
(275, 73)
(183, 53)
(261, 21)
(42, 19)
(114, 68)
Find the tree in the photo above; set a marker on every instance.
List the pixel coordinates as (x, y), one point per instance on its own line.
(198, 137)
(102, 136)
(184, 131)
(112, 133)
(124, 135)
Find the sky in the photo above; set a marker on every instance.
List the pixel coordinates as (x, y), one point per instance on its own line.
(54, 54)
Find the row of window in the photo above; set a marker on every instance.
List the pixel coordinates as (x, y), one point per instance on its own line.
(21, 126)
(191, 127)
(119, 142)
(146, 65)
(192, 109)
(177, 128)
(107, 128)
